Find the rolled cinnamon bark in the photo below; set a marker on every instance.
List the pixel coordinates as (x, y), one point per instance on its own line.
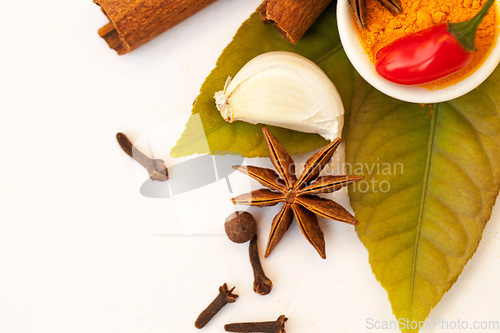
(292, 17)
(135, 22)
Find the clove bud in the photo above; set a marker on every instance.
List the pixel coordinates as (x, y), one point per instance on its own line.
(225, 296)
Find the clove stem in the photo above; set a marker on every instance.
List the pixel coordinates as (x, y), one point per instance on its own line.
(155, 167)
(277, 326)
(262, 285)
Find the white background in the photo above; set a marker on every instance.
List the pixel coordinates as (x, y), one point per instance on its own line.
(81, 250)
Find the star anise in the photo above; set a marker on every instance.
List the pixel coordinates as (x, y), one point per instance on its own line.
(358, 8)
(298, 195)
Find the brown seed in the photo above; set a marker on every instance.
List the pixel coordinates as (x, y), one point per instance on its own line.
(155, 167)
(225, 296)
(240, 227)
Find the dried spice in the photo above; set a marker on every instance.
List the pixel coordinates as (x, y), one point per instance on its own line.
(358, 8)
(225, 296)
(133, 23)
(277, 326)
(240, 227)
(298, 195)
(394, 6)
(262, 285)
(292, 18)
(155, 167)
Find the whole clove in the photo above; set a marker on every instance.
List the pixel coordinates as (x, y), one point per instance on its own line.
(277, 326)
(240, 228)
(155, 167)
(225, 296)
(262, 285)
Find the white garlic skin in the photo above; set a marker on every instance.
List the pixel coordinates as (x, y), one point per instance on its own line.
(283, 89)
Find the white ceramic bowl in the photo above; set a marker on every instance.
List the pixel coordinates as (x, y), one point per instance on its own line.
(416, 94)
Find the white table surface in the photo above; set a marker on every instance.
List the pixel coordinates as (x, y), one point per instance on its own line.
(81, 250)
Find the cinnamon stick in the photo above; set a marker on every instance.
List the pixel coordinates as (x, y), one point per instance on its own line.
(292, 17)
(133, 23)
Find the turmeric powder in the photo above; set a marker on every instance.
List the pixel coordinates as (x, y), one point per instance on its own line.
(382, 27)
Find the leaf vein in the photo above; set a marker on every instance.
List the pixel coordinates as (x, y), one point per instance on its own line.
(422, 204)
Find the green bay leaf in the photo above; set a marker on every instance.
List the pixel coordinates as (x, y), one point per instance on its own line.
(432, 174)
(321, 44)
(432, 171)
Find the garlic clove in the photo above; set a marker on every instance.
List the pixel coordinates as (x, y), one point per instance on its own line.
(283, 89)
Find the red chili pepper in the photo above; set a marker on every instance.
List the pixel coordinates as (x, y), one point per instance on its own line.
(430, 54)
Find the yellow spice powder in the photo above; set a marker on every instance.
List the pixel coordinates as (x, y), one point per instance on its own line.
(382, 27)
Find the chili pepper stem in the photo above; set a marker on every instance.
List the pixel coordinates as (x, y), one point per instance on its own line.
(465, 32)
